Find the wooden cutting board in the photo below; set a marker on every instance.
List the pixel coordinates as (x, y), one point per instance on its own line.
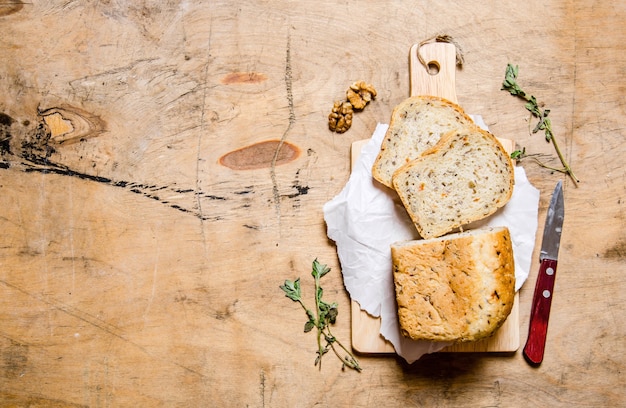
(438, 80)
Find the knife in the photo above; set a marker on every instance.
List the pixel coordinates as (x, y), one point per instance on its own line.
(542, 298)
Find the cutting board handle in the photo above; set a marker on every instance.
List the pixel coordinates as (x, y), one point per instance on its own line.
(439, 78)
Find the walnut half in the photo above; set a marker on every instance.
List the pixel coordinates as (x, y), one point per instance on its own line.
(340, 119)
(360, 94)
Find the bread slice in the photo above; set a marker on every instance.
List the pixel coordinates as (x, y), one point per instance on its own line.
(457, 288)
(416, 124)
(463, 178)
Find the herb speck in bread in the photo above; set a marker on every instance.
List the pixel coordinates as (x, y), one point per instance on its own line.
(463, 178)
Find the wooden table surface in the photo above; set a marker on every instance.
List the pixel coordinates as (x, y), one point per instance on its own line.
(137, 269)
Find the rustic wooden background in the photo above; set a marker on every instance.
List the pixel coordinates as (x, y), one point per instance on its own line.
(136, 269)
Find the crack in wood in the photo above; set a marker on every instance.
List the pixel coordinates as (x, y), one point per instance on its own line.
(95, 322)
(32, 150)
(200, 134)
(34, 154)
(291, 122)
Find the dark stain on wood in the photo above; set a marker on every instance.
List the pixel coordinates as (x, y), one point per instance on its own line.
(300, 190)
(14, 359)
(5, 119)
(227, 311)
(5, 133)
(244, 78)
(8, 7)
(260, 155)
(31, 145)
(616, 252)
(35, 146)
(246, 190)
(15, 400)
(55, 126)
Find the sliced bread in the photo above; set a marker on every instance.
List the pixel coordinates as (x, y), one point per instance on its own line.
(466, 176)
(416, 124)
(456, 288)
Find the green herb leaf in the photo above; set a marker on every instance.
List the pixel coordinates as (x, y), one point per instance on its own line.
(510, 85)
(518, 154)
(332, 313)
(510, 81)
(548, 129)
(311, 316)
(325, 315)
(533, 107)
(308, 326)
(319, 270)
(292, 290)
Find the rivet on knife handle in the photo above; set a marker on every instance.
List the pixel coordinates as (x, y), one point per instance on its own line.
(540, 312)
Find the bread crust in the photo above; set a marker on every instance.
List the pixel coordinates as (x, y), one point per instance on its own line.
(458, 288)
(416, 124)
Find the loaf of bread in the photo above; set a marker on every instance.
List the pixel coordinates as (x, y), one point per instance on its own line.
(416, 124)
(456, 288)
(466, 176)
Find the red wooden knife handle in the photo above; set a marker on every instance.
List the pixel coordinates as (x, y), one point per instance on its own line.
(540, 312)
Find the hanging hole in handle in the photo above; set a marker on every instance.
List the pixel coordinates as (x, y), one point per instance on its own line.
(433, 67)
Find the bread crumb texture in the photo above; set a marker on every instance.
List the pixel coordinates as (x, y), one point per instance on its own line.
(416, 124)
(466, 176)
(458, 288)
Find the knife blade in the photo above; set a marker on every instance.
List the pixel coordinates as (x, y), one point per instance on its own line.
(542, 297)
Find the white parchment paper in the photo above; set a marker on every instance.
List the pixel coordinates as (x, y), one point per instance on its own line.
(365, 218)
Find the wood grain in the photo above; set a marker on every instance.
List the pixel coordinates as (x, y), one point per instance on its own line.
(432, 70)
(136, 270)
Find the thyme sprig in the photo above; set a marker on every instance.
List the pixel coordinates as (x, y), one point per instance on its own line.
(510, 84)
(325, 314)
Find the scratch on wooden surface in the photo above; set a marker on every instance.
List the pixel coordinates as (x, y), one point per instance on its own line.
(291, 122)
(71, 237)
(83, 85)
(154, 281)
(497, 394)
(243, 78)
(262, 387)
(202, 129)
(97, 323)
(69, 310)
